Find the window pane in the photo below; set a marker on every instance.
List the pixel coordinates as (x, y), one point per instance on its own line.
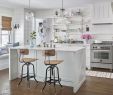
(5, 39)
(5, 32)
(104, 55)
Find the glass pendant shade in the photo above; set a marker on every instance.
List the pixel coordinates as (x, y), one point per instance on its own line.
(29, 15)
(62, 15)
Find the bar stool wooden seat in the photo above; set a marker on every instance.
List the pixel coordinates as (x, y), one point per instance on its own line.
(53, 62)
(52, 68)
(27, 62)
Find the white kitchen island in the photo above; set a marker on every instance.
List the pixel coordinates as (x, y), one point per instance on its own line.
(72, 70)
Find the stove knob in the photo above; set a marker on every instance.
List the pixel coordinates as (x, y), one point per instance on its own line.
(94, 47)
(101, 60)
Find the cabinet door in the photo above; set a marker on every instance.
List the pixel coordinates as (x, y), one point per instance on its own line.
(102, 10)
(88, 57)
(102, 13)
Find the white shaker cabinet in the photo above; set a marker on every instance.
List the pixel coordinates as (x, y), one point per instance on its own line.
(102, 13)
(0, 22)
(88, 56)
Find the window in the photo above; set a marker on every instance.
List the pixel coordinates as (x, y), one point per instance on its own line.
(4, 37)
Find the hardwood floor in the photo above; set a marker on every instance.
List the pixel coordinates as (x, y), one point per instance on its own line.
(92, 86)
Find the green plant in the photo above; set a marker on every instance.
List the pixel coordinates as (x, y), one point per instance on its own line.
(33, 35)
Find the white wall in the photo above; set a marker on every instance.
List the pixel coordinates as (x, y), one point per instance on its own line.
(29, 26)
(6, 12)
(45, 13)
(103, 32)
(22, 34)
(18, 18)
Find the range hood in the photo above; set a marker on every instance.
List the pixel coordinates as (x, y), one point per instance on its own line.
(102, 13)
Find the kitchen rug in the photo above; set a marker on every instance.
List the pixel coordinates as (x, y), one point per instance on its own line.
(5, 91)
(99, 74)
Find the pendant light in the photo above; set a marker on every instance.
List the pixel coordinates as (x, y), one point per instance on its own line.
(60, 12)
(29, 14)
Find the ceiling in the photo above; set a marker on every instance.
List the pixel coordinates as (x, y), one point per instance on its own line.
(47, 4)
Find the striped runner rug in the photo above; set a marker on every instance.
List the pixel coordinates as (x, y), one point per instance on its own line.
(99, 74)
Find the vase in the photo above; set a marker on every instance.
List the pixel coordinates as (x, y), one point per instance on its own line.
(86, 41)
(32, 42)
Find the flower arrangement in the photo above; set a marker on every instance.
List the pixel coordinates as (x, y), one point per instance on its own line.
(87, 37)
(33, 35)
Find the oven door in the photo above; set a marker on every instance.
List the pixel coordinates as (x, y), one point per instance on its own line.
(101, 56)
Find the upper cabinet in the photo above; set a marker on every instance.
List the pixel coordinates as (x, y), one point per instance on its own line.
(102, 13)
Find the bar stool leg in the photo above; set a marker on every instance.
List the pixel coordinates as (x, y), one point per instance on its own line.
(45, 79)
(34, 73)
(28, 77)
(21, 75)
(58, 76)
(54, 81)
(50, 76)
(54, 77)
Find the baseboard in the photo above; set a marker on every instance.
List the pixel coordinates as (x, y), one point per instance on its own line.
(4, 66)
(65, 82)
(78, 85)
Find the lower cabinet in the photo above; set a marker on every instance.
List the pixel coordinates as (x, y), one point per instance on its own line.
(88, 56)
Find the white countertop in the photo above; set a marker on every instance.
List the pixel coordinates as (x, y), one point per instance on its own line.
(59, 48)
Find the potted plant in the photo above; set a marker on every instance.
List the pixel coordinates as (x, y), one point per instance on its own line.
(33, 38)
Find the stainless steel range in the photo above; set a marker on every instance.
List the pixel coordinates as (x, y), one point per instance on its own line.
(102, 55)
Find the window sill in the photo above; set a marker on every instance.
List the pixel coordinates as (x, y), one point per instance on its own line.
(4, 55)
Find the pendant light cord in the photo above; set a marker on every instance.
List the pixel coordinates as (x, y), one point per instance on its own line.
(29, 13)
(62, 5)
(29, 4)
(62, 9)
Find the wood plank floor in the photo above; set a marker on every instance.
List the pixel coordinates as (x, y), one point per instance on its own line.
(92, 86)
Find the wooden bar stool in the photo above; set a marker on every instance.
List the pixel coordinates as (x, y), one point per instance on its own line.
(27, 62)
(52, 68)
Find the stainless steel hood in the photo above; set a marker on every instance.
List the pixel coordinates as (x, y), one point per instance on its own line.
(104, 23)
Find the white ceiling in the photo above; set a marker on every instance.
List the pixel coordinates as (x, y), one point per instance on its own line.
(35, 4)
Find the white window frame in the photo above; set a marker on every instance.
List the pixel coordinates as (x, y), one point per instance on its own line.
(1, 34)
